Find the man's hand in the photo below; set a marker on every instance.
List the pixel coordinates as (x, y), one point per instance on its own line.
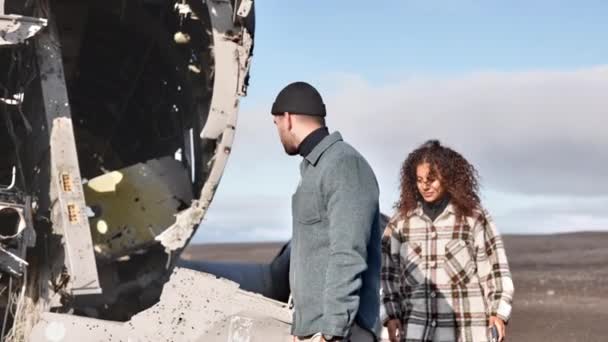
(394, 330)
(500, 325)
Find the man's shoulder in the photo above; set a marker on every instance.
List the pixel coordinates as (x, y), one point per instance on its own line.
(342, 150)
(342, 159)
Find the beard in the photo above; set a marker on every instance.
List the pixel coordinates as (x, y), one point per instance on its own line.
(290, 149)
(289, 146)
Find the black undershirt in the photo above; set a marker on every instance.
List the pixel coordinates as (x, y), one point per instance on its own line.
(312, 140)
(434, 209)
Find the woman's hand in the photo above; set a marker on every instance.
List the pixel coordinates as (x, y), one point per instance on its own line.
(394, 330)
(500, 325)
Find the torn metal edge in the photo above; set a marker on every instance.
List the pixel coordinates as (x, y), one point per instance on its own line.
(232, 58)
(15, 29)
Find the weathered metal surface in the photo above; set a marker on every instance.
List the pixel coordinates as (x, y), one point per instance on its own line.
(194, 306)
(232, 46)
(68, 212)
(15, 29)
(135, 204)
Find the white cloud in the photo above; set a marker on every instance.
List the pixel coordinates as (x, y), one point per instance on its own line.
(531, 134)
(534, 132)
(556, 214)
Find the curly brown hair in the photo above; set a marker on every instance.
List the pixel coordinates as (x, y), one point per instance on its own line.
(457, 175)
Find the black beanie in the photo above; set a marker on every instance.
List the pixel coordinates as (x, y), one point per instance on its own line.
(299, 98)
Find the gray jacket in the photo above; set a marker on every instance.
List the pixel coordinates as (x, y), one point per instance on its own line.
(336, 257)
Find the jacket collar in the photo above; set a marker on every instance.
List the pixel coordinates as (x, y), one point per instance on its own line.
(316, 153)
(312, 140)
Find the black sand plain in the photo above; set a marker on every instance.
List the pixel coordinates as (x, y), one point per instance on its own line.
(561, 282)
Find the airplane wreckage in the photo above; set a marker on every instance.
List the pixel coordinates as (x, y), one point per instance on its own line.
(117, 118)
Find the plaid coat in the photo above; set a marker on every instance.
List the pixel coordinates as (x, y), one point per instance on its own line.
(444, 279)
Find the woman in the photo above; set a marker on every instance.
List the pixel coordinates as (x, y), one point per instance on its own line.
(445, 275)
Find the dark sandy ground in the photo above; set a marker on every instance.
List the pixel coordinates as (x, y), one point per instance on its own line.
(561, 282)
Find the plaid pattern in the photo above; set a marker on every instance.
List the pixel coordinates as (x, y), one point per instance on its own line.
(444, 279)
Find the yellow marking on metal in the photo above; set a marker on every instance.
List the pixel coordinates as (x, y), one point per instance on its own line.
(73, 213)
(66, 182)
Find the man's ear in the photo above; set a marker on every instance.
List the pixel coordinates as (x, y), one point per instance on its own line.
(289, 118)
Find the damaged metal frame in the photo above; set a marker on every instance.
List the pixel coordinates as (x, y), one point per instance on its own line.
(68, 212)
(228, 312)
(221, 301)
(232, 51)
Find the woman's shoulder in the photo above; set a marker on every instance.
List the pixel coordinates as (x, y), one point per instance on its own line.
(479, 214)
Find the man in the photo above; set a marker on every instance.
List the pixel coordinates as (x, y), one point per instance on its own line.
(335, 258)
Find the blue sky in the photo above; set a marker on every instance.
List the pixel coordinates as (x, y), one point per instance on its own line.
(308, 39)
(529, 77)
